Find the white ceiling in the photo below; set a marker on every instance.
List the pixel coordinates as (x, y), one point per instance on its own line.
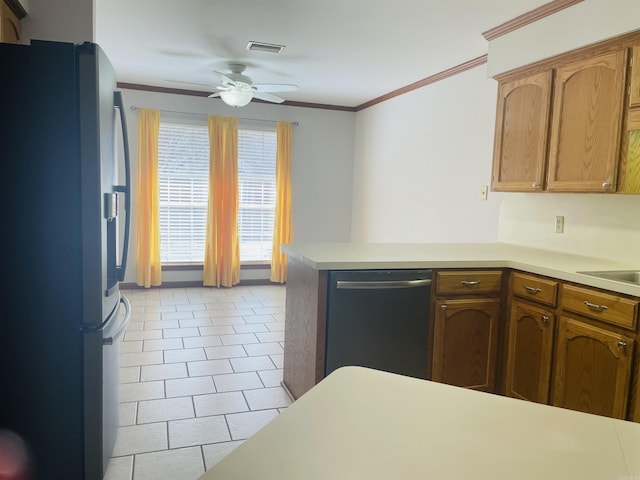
(339, 52)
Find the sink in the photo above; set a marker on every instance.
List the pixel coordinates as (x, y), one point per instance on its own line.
(627, 276)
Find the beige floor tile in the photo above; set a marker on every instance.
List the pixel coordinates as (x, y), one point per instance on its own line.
(142, 335)
(271, 378)
(275, 326)
(162, 344)
(264, 398)
(270, 348)
(129, 374)
(219, 330)
(196, 322)
(141, 438)
(271, 336)
(209, 367)
(219, 404)
(243, 425)
(133, 346)
(160, 324)
(251, 364)
(163, 372)
(208, 341)
(198, 431)
(128, 412)
(177, 316)
(180, 464)
(151, 411)
(183, 387)
(135, 325)
(230, 351)
(238, 339)
(120, 468)
(184, 355)
(277, 359)
(132, 392)
(268, 310)
(215, 452)
(142, 358)
(237, 381)
(159, 308)
(249, 328)
(190, 307)
(181, 332)
(259, 319)
(225, 319)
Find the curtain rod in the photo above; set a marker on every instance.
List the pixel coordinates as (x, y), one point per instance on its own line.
(134, 108)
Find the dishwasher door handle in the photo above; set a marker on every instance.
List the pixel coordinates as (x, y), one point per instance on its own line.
(353, 285)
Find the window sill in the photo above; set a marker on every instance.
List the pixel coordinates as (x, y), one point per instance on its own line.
(184, 267)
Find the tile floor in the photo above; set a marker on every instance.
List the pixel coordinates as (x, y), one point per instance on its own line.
(200, 372)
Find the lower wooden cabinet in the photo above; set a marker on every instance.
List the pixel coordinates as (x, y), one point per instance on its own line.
(529, 352)
(593, 369)
(465, 342)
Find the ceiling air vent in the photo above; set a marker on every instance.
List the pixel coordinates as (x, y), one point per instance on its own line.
(265, 47)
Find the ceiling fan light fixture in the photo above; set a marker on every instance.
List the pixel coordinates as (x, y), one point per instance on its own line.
(236, 98)
(265, 47)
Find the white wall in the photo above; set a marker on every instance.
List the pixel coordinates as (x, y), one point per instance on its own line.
(421, 159)
(321, 165)
(61, 21)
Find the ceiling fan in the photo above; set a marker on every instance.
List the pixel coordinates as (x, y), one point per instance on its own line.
(237, 89)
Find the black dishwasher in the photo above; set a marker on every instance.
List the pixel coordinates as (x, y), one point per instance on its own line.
(378, 319)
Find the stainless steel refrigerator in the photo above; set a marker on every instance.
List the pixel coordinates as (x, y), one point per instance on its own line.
(64, 229)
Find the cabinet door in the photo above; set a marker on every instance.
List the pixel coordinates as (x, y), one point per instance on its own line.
(529, 353)
(593, 369)
(465, 342)
(586, 126)
(520, 144)
(10, 26)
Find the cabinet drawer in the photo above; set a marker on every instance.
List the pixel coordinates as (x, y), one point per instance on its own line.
(468, 282)
(606, 307)
(536, 289)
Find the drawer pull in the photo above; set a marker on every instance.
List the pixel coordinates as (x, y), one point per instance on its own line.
(532, 290)
(470, 283)
(545, 318)
(622, 345)
(593, 306)
(443, 307)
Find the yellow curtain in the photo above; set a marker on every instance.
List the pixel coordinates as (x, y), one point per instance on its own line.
(222, 247)
(282, 221)
(148, 266)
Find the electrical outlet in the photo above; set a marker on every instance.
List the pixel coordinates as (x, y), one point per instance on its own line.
(559, 224)
(484, 192)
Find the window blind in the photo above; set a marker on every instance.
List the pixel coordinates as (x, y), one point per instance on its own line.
(183, 162)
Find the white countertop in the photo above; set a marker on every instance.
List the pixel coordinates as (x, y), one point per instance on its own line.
(360, 423)
(564, 266)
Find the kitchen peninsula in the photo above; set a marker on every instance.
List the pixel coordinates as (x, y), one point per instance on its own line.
(307, 296)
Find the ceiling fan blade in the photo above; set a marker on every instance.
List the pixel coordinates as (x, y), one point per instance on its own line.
(274, 87)
(267, 97)
(214, 95)
(224, 79)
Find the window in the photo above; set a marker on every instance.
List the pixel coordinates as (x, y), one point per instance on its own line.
(183, 163)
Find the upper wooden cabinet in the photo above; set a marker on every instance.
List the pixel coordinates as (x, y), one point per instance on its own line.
(10, 26)
(520, 144)
(586, 126)
(634, 88)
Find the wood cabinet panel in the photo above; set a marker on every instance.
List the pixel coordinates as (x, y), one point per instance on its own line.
(634, 88)
(593, 369)
(10, 26)
(520, 144)
(606, 307)
(536, 289)
(586, 125)
(465, 342)
(468, 282)
(529, 351)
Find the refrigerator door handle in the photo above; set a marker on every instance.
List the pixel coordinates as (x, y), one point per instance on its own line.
(126, 188)
(125, 322)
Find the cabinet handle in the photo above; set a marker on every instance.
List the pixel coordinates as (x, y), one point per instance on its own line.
(535, 185)
(532, 290)
(443, 307)
(593, 306)
(469, 283)
(622, 345)
(545, 318)
(606, 185)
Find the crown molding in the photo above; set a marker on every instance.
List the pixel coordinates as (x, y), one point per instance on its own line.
(529, 17)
